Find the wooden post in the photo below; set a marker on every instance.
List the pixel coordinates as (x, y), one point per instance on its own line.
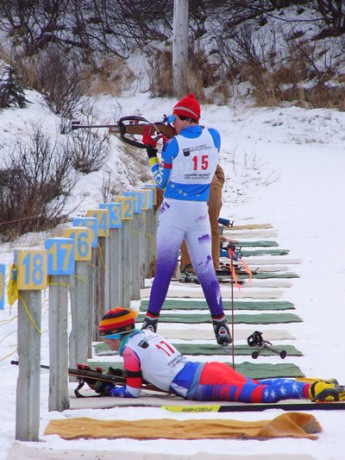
(146, 204)
(92, 224)
(126, 268)
(2, 285)
(138, 248)
(180, 47)
(81, 303)
(142, 247)
(126, 259)
(100, 280)
(79, 336)
(116, 283)
(31, 266)
(114, 278)
(150, 229)
(106, 268)
(60, 265)
(58, 343)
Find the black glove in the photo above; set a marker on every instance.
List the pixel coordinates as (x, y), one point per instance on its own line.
(116, 371)
(99, 386)
(151, 151)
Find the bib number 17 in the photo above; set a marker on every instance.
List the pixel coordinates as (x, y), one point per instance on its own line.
(163, 346)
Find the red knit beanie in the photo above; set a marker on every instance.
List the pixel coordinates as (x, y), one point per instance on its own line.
(188, 107)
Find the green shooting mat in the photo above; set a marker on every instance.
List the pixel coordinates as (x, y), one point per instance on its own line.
(247, 227)
(259, 318)
(245, 276)
(261, 252)
(256, 244)
(242, 350)
(267, 275)
(183, 304)
(211, 349)
(268, 371)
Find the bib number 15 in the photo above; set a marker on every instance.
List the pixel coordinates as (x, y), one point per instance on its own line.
(203, 161)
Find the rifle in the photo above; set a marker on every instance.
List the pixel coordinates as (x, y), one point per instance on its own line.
(129, 127)
(84, 373)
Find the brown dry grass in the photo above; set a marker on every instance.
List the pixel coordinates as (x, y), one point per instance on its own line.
(112, 76)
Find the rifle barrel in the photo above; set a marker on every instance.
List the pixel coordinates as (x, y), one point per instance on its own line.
(92, 374)
(76, 126)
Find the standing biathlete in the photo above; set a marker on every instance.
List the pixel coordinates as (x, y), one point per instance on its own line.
(149, 356)
(189, 161)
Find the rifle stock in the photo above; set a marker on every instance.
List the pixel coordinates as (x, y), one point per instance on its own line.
(166, 130)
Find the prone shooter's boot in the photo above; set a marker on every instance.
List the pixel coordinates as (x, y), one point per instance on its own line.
(326, 391)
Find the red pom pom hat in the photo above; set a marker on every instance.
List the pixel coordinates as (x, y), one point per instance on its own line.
(188, 107)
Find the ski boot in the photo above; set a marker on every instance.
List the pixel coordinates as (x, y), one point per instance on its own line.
(222, 332)
(150, 324)
(326, 391)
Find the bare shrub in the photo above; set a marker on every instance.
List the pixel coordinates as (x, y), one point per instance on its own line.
(323, 95)
(332, 13)
(34, 187)
(160, 62)
(60, 82)
(136, 164)
(250, 57)
(110, 187)
(308, 62)
(201, 73)
(117, 27)
(88, 150)
(27, 67)
(109, 76)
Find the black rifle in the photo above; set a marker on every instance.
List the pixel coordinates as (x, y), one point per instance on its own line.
(129, 127)
(84, 374)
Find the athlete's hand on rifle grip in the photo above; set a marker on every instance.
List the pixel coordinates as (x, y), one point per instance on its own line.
(99, 386)
(150, 136)
(150, 143)
(116, 371)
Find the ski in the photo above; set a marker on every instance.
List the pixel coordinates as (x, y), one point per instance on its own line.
(256, 407)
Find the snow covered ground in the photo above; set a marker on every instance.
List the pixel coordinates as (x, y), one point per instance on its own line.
(284, 166)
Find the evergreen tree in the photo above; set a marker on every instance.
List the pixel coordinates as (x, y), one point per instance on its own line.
(11, 93)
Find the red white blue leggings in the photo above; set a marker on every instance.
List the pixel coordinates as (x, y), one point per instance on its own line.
(219, 382)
